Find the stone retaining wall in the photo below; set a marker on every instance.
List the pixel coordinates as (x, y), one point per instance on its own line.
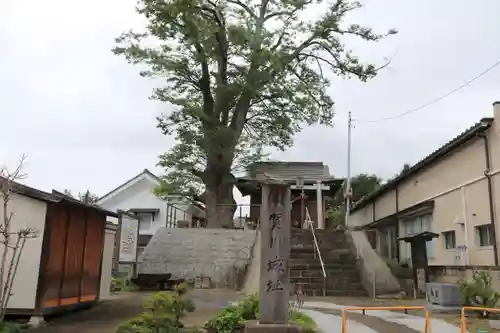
(221, 254)
(453, 274)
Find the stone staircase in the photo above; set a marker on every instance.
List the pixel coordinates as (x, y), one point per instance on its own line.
(342, 275)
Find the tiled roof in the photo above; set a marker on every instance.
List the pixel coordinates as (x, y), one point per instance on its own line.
(309, 171)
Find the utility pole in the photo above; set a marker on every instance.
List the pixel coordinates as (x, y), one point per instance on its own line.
(347, 190)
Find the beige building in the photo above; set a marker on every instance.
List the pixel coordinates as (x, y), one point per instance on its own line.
(454, 192)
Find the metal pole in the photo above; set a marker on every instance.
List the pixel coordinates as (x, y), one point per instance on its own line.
(348, 191)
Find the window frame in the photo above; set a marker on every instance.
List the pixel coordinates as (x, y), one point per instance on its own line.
(446, 242)
(489, 235)
(417, 224)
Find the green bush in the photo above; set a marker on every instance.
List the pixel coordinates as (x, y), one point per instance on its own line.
(164, 311)
(122, 284)
(250, 307)
(234, 317)
(228, 321)
(8, 327)
(306, 322)
(479, 292)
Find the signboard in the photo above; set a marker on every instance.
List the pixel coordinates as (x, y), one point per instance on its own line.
(129, 234)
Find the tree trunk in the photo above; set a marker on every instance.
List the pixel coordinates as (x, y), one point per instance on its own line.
(219, 201)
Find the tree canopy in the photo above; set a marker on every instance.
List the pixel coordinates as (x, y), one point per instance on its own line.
(238, 77)
(361, 185)
(404, 170)
(85, 197)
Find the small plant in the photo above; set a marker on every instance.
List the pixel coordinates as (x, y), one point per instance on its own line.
(249, 307)
(307, 324)
(119, 284)
(13, 239)
(296, 300)
(228, 321)
(6, 327)
(233, 318)
(181, 288)
(164, 311)
(479, 292)
(171, 304)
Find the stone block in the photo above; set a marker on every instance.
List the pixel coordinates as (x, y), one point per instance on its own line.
(193, 252)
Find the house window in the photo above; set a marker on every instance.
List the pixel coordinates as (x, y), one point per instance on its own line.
(485, 235)
(449, 239)
(388, 243)
(414, 226)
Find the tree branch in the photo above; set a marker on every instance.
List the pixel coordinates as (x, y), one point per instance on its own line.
(245, 7)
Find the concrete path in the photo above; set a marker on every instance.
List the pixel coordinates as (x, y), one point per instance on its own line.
(414, 322)
(329, 323)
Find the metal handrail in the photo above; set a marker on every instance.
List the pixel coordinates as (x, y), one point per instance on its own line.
(311, 226)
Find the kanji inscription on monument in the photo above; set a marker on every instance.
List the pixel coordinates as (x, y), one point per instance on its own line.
(275, 253)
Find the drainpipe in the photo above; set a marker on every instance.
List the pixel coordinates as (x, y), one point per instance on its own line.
(397, 222)
(490, 195)
(377, 231)
(466, 225)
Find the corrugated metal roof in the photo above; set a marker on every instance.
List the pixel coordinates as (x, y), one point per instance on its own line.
(309, 171)
(435, 156)
(55, 197)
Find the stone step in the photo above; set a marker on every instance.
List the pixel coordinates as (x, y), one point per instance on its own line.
(319, 232)
(327, 256)
(318, 284)
(312, 264)
(301, 248)
(318, 272)
(343, 277)
(353, 292)
(322, 238)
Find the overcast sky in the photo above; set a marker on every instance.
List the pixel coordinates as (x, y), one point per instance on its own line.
(83, 115)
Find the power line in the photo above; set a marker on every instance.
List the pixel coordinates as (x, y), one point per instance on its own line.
(432, 101)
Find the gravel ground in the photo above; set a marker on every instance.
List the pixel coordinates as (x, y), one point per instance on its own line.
(105, 317)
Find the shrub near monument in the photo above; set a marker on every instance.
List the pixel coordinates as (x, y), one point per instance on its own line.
(233, 319)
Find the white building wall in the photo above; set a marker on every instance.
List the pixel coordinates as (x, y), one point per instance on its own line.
(28, 213)
(139, 195)
(107, 263)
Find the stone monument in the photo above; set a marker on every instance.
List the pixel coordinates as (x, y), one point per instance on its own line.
(275, 228)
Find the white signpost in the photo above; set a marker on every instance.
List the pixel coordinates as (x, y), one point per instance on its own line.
(129, 238)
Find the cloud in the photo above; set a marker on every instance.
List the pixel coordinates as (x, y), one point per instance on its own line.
(83, 114)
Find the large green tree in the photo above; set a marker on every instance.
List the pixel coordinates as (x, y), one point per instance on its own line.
(361, 185)
(404, 170)
(240, 76)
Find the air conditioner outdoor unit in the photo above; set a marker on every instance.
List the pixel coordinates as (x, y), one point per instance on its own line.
(443, 294)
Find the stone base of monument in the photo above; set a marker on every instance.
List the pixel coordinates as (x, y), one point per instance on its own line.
(255, 327)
